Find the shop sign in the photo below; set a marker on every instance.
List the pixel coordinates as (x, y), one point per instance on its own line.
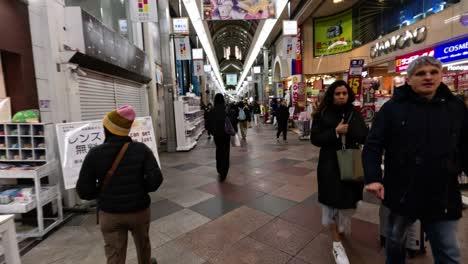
(143, 11)
(289, 44)
(457, 68)
(355, 82)
(452, 51)
(197, 54)
(76, 139)
(180, 26)
(400, 41)
(289, 27)
(402, 62)
(355, 67)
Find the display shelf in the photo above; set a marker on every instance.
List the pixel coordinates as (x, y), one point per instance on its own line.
(189, 122)
(37, 172)
(193, 112)
(47, 195)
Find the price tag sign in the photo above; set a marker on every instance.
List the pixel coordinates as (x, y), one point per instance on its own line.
(355, 82)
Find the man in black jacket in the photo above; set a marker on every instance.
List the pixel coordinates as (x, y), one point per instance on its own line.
(123, 200)
(424, 132)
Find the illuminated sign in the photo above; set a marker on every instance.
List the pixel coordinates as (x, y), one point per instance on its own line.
(452, 51)
(402, 62)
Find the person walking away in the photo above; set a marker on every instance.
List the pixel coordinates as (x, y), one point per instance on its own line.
(243, 117)
(274, 109)
(283, 117)
(233, 113)
(423, 133)
(206, 116)
(121, 191)
(256, 113)
(221, 138)
(335, 119)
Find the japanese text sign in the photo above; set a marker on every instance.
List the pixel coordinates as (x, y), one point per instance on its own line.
(76, 139)
(402, 62)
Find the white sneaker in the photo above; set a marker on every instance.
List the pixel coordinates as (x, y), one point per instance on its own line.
(339, 253)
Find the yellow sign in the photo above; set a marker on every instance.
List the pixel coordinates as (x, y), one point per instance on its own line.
(333, 34)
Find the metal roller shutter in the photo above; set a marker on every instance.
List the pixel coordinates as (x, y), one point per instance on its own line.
(127, 93)
(100, 94)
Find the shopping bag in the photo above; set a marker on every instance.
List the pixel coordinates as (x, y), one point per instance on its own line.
(228, 127)
(350, 163)
(235, 141)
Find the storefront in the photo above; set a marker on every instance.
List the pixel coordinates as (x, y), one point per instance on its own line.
(17, 78)
(107, 70)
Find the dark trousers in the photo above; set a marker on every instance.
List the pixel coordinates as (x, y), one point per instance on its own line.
(441, 235)
(282, 128)
(223, 148)
(115, 229)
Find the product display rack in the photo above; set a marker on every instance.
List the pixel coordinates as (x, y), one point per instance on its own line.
(25, 144)
(189, 121)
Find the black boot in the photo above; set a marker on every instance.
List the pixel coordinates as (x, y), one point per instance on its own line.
(154, 261)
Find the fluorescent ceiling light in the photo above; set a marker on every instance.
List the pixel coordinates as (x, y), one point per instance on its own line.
(264, 27)
(197, 22)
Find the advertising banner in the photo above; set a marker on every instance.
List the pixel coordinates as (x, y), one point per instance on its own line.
(240, 9)
(143, 11)
(182, 47)
(198, 68)
(289, 47)
(76, 139)
(330, 30)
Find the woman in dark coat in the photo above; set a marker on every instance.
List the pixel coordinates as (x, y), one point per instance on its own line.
(282, 116)
(336, 118)
(221, 138)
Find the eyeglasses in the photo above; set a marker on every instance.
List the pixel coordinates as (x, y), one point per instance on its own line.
(343, 93)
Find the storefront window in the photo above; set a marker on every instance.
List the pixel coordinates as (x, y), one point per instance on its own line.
(375, 18)
(113, 13)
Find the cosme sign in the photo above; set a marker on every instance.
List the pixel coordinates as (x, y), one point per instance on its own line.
(400, 41)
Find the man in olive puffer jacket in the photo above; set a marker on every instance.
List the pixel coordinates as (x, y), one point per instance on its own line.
(124, 201)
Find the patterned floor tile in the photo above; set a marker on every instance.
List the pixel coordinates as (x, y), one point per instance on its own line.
(284, 236)
(265, 185)
(249, 251)
(179, 223)
(214, 207)
(190, 197)
(163, 208)
(186, 166)
(271, 205)
(293, 193)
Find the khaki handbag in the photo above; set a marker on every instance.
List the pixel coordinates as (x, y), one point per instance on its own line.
(350, 163)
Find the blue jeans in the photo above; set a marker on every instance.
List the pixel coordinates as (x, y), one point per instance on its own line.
(441, 235)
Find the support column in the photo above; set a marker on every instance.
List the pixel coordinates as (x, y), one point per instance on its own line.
(266, 67)
(152, 95)
(169, 82)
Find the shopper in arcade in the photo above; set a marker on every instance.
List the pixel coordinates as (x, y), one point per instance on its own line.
(221, 138)
(423, 133)
(244, 118)
(206, 116)
(335, 122)
(283, 116)
(120, 173)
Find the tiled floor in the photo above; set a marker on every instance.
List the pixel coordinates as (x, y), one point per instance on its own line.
(266, 212)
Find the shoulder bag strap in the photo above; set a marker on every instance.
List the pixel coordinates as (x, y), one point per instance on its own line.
(115, 164)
